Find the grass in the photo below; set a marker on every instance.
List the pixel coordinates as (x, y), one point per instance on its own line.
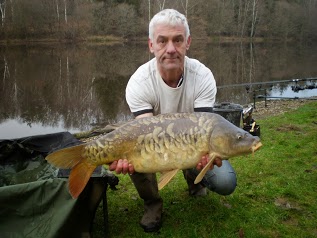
(276, 194)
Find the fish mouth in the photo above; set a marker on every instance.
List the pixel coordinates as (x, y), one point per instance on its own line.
(256, 147)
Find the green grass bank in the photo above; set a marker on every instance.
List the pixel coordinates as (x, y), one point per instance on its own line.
(275, 197)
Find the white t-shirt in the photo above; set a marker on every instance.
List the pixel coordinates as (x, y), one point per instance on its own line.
(147, 91)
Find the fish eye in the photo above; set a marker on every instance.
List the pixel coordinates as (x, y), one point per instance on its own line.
(239, 136)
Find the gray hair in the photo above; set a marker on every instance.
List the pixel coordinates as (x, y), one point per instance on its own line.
(170, 17)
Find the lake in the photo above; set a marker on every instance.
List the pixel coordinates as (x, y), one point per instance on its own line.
(52, 88)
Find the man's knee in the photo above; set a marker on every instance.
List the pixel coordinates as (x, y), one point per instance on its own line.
(222, 180)
(225, 183)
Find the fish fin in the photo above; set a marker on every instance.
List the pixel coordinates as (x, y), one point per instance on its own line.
(166, 177)
(66, 158)
(79, 177)
(204, 170)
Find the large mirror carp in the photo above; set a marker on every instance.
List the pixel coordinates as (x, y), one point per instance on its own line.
(165, 143)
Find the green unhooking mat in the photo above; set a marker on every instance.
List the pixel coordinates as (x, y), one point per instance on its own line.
(34, 200)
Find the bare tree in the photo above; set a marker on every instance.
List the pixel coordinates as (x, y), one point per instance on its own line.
(245, 16)
(12, 11)
(57, 10)
(6, 72)
(185, 6)
(268, 18)
(3, 4)
(149, 10)
(65, 11)
(161, 4)
(126, 20)
(254, 17)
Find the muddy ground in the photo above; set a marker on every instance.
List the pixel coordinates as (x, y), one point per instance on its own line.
(276, 107)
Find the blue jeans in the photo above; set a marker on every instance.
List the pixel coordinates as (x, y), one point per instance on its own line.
(222, 180)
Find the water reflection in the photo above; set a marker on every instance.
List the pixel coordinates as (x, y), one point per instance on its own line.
(294, 90)
(60, 87)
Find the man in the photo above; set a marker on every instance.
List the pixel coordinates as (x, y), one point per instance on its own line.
(171, 82)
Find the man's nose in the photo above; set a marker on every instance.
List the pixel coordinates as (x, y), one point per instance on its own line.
(170, 48)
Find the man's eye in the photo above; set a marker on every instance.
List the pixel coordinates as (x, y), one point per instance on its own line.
(161, 41)
(178, 41)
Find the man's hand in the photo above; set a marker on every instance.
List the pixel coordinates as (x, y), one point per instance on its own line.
(204, 161)
(121, 166)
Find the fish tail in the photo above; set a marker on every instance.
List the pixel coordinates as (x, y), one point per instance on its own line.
(66, 158)
(79, 177)
(72, 158)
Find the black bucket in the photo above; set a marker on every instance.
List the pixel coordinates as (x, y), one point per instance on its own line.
(232, 112)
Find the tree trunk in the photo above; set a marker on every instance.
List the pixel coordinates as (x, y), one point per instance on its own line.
(161, 5)
(57, 10)
(245, 17)
(65, 11)
(3, 12)
(149, 10)
(254, 18)
(185, 7)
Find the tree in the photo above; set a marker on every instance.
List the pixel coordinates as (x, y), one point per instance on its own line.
(3, 5)
(254, 17)
(72, 19)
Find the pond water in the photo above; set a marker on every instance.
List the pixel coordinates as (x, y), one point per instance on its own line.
(53, 88)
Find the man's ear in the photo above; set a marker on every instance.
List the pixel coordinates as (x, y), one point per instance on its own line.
(189, 40)
(150, 43)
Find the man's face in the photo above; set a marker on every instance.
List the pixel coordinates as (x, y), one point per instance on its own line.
(169, 46)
